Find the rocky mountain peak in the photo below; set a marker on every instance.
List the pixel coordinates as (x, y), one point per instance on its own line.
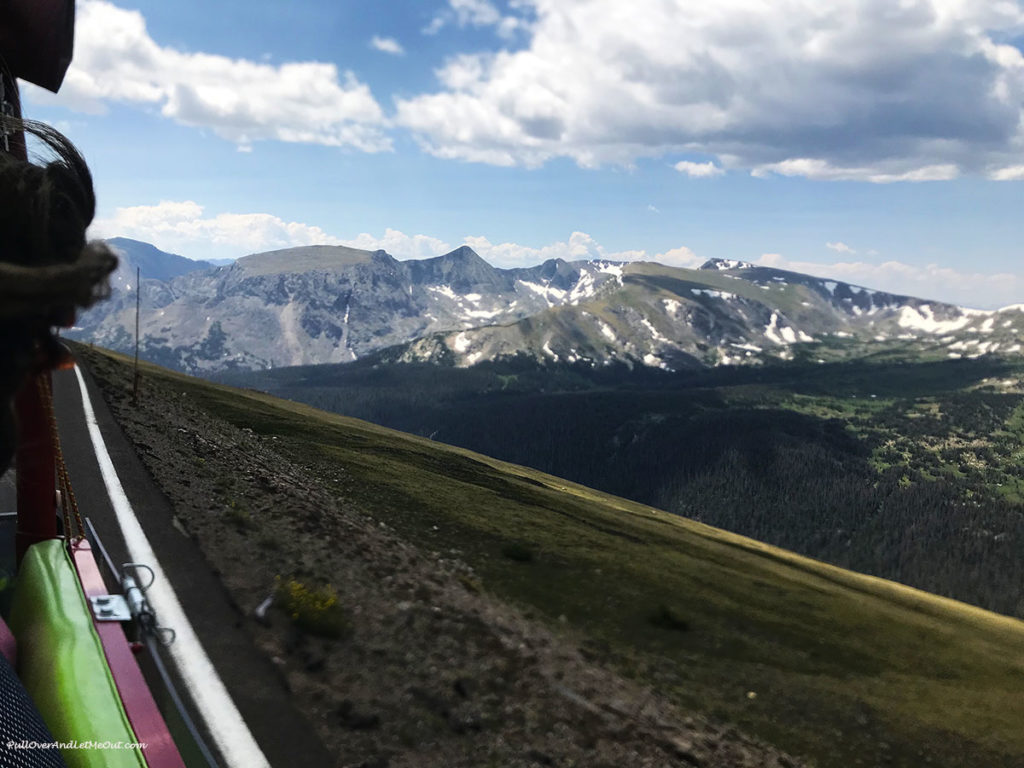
(307, 258)
(725, 264)
(462, 270)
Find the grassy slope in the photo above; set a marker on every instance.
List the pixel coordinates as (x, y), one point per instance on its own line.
(847, 669)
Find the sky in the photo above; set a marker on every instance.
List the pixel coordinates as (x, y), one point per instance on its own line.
(879, 142)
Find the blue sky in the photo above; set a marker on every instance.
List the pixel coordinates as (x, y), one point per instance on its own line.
(874, 141)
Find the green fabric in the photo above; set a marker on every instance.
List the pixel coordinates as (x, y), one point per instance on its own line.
(62, 664)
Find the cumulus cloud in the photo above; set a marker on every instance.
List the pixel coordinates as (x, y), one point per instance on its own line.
(475, 13)
(1010, 173)
(401, 245)
(698, 170)
(387, 45)
(984, 290)
(182, 227)
(240, 100)
(839, 247)
(580, 246)
(679, 257)
(829, 89)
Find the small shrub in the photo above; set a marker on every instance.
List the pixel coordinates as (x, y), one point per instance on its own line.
(313, 610)
(518, 552)
(666, 617)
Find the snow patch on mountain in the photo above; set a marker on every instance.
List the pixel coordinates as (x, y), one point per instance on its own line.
(712, 293)
(747, 347)
(781, 335)
(724, 264)
(550, 294)
(653, 331)
(610, 268)
(483, 314)
(922, 318)
(444, 290)
(584, 289)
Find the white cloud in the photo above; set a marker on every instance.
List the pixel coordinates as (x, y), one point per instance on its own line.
(839, 247)
(479, 13)
(1011, 173)
(829, 89)
(679, 257)
(698, 170)
(181, 227)
(931, 281)
(578, 247)
(653, 208)
(387, 45)
(886, 172)
(240, 100)
(401, 245)
(475, 13)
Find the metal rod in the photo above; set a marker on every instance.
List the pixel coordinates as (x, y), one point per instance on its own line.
(94, 540)
(138, 309)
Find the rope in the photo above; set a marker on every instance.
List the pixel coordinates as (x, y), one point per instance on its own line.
(68, 502)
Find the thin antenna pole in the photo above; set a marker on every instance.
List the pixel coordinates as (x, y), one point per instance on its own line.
(138, 306)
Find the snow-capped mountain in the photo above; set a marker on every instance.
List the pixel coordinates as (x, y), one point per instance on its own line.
(328, 304)
(728, 313)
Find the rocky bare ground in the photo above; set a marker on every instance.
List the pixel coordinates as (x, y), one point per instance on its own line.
(430, 672)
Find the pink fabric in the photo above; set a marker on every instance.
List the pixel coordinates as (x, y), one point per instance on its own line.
(8, 645)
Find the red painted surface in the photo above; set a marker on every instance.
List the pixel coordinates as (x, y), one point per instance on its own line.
(145, 717)
(8, 645)
(36, 479)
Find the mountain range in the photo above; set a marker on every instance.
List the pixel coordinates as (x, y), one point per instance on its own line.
(331, 304)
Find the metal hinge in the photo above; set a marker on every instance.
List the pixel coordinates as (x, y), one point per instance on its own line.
(110, 608)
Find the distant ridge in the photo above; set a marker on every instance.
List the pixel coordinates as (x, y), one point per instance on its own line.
(307, 258)
(154, 263)
(333, 304)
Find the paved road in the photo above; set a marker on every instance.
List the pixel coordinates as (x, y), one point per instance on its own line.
(285, 737)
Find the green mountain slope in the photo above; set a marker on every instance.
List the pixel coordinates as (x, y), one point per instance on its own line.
(841, 668)
(910, 472)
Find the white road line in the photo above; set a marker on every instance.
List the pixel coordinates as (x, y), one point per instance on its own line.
(234, 740)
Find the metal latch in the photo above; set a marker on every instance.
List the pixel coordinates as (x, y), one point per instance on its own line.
(110, 608)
